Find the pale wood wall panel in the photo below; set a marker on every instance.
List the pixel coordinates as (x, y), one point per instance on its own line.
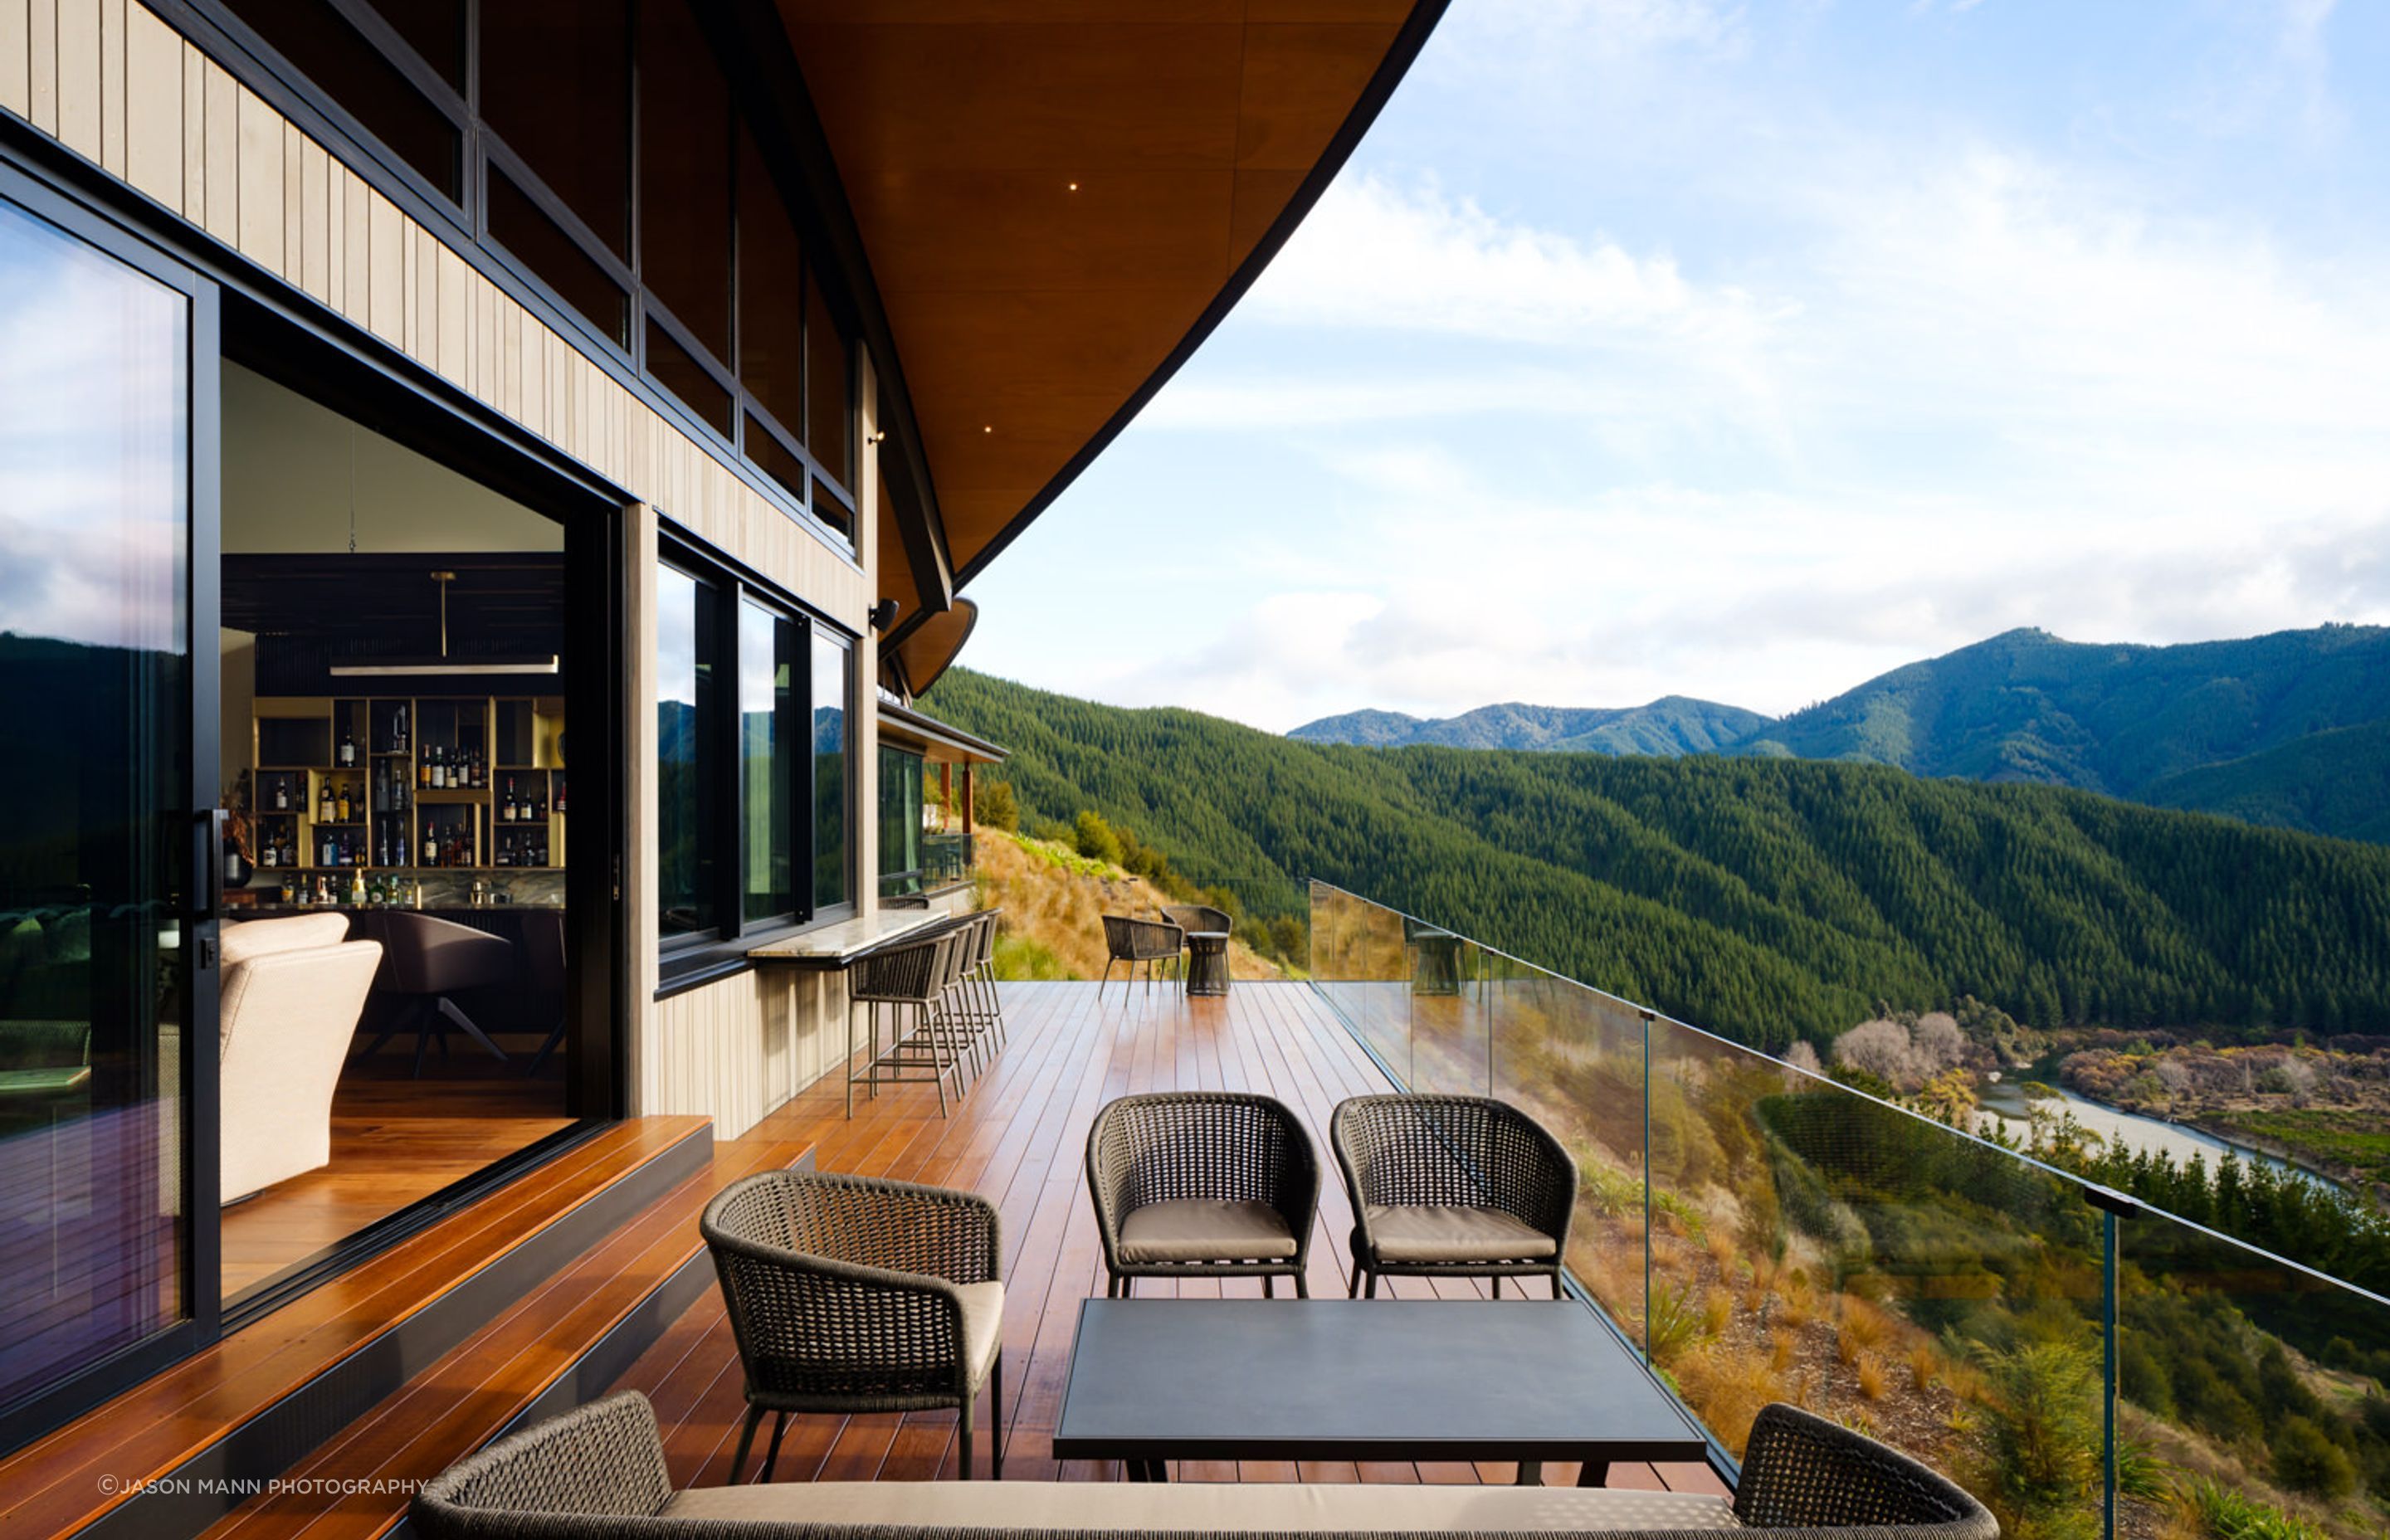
(112, 85)
(221, 170)
(16, 57)
(260, 173)
(153, 107)
(314, 174)
(41, 89)
(194, 136)
(78, 76)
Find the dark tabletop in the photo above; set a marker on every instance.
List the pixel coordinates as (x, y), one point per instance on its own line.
(1360, 1380)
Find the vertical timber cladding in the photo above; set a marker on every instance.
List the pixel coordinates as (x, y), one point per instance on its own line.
(112, 82)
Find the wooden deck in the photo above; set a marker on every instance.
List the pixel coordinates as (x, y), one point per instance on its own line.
(1019, 1138)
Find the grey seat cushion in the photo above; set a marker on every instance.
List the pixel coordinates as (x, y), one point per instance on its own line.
(1204, 1229)
(1203, 1507)
(1444, 1233)
(983, 1323)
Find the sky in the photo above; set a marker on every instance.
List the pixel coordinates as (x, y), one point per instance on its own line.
(1653, 347)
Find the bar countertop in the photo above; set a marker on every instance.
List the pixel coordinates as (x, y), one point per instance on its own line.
(839, 944)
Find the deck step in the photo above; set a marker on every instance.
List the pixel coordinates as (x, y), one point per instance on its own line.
(172, 1455)
(553, 1348)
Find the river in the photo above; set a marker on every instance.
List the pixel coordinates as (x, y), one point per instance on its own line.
(2006, 1101)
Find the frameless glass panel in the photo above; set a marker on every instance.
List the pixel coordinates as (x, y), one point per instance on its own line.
(684, 752)
(361, 83)
(830, 695)
(830, 385)
(555, 85)
(94, 451)
(684, 172)
(1812, 1245)
(767, 739)
(771, 297)
(2223, 1352)
(1574, 1058)
(1450, 1033)
(555, 258)
(1382, 984)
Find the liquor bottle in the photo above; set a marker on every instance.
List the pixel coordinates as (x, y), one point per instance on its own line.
(324, 809)
(430, 846)
(423, 770)
(281, 796)
(357, 889)
(402, 730)
(322, 890)
(506, 851)
(341, 807)
(348, 749)
(508, 813)
(269, 856)
(560, 798)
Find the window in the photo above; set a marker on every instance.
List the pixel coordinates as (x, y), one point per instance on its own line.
(684, 176)
(518, 224)
(773, 757)
(357, 75)
(830, 387)
(769, 768)
(831, 660)
(686, 766)
(555, 85)
(771, 295)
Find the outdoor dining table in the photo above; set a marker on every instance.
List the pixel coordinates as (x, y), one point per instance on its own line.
(1531, 1381)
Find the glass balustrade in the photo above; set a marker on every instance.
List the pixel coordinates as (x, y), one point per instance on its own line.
(2085, 1364)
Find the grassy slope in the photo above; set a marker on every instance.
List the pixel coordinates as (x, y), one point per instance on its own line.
(1054, 900)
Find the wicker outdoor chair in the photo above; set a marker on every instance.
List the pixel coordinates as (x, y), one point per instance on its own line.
(599, 1470)
(1139, 940)
(851, 1294)
(1202, 1184)
(1449, 1185)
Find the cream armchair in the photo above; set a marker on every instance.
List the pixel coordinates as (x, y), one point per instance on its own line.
(293, 989)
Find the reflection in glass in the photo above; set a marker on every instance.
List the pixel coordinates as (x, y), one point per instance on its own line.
(767, 720)
(95, 446)
(830, 670)
(684, 752)
(900, 821)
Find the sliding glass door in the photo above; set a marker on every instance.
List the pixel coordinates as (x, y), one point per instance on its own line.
(99, 836)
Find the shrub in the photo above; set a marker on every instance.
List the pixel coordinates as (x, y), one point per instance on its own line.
(1094, 839)
(1290, 939)
(2308, 1459)
(993, 805)
(1020, 958)
(2226, 1515)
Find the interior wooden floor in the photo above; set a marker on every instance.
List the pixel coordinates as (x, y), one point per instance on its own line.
(396, 1140)
(1019, 1138)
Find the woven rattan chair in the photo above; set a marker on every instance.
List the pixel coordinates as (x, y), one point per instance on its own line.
(849, 1294)
(1139, 940)
(1193, 918)
(599, 1470)
(1452, 1187)
(1202, 1184)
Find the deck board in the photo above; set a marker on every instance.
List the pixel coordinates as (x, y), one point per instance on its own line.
(1019, 1138)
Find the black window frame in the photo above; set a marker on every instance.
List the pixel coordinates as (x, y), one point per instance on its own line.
(831, 506)
(687, 961)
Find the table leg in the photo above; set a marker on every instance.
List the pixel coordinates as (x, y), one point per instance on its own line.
(1531, 1474)
(1594, 1473)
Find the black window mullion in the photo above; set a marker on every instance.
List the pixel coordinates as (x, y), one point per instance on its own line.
(436, 88)
(730, 829)
(560, 212)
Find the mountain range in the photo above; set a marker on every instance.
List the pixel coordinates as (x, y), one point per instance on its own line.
(2290, 729)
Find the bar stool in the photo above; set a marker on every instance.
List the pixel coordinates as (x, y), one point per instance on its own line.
(916, 976)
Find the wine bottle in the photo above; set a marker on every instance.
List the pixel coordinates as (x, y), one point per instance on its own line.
(348, 749)
(430, 845)
(281, 796)
(423, 770)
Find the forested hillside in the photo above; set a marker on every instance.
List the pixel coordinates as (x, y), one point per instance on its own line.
(1770, 898)
(1672, 725)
